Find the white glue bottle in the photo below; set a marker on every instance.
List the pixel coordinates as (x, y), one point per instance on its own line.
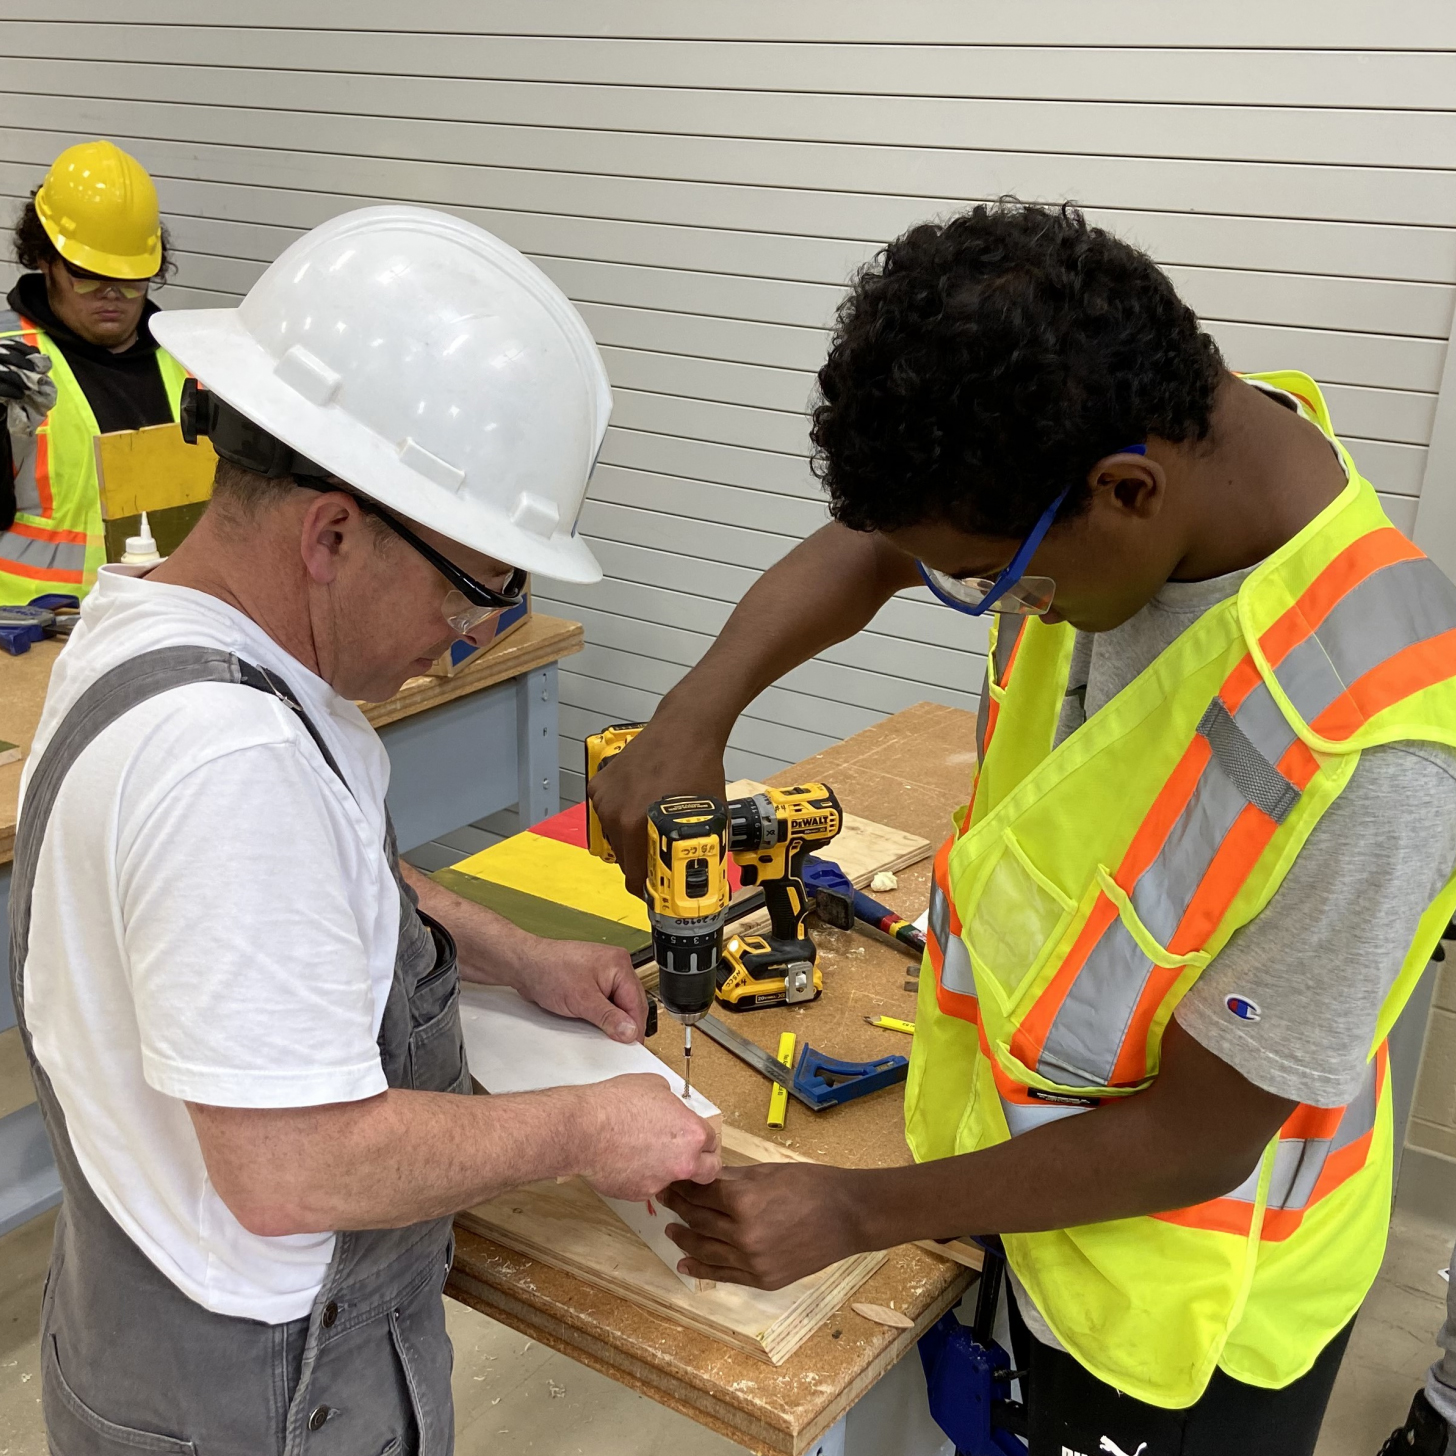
(141, 550)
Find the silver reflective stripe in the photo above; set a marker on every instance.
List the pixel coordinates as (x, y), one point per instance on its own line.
(43, 555)
(1249, 771)
(1022, 1117)
(1298, 1162)
(1393, 608)
(938, 916)
(1084, 1040)
(27, 491)
(955, 971)
(1005, 646)
(9, 321)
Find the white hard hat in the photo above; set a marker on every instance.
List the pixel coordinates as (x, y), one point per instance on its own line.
(428, 365)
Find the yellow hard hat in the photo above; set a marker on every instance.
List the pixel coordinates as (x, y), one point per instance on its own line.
(99, 208)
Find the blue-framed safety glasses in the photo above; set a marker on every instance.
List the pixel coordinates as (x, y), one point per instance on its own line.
(1011, 591)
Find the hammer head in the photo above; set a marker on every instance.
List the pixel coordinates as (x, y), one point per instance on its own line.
(831, 891)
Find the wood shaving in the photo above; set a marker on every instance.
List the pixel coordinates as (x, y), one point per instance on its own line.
(882, 1316)
(884, 880)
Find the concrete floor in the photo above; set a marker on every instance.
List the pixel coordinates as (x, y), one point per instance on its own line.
(513, 1396)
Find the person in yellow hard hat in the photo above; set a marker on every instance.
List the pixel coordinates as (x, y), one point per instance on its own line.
(92, 243)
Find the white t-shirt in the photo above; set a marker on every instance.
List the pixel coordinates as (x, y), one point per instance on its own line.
(214, 919)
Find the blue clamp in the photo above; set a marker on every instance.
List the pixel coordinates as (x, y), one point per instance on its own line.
(822, 1081)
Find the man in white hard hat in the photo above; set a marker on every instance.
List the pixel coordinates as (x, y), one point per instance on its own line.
(241, 1010)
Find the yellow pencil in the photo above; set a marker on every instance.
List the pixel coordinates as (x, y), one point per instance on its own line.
(778, 1099)
(892, 1023)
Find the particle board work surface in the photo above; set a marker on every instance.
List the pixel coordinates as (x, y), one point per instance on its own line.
(908, 772)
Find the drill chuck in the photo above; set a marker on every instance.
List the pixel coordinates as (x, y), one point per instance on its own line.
(687, 954)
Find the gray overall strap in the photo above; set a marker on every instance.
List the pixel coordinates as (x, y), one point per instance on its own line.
(113, 694)
(131, 1363)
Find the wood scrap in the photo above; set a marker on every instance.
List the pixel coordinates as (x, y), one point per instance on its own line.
(882, 1315)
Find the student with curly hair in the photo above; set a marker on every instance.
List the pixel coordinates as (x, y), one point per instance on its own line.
(77, 359)
(1211, 842)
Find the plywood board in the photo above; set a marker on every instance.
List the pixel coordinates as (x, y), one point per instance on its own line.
(513, 1046)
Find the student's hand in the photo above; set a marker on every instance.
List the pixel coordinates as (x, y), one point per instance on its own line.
(646, 1137)
(594, 983)
(664, 758)
(765, 1225)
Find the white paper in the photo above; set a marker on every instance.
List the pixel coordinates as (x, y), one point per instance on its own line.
(515, 1046)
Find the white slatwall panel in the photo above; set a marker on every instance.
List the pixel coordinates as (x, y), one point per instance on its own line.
(702, 179)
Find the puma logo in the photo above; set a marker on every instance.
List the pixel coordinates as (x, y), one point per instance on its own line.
(1113, 1449)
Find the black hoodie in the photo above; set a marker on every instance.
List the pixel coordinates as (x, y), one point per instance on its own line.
(125, 390)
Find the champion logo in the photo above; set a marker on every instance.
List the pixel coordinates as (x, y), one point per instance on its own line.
(1243, 1008)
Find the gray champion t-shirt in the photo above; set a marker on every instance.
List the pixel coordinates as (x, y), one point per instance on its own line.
(1321, 957)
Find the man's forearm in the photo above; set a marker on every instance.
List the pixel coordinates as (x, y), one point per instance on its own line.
(825, 590)
(388, 1160)
(491, 949)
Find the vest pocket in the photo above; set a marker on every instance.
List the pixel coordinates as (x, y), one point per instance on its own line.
(1016, 917)
(74, 1428)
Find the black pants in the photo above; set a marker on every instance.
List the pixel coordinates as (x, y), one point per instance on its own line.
(1072, 1413)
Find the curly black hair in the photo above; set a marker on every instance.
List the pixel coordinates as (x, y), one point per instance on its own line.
(980, 365)
(32, 244)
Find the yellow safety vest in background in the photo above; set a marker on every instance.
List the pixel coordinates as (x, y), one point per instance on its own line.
(1088, 887)
(57, 543)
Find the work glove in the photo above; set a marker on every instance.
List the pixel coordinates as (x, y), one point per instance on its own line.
(29, 394)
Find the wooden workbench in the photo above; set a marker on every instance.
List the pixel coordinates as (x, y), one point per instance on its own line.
(908, 772)
(24, 680)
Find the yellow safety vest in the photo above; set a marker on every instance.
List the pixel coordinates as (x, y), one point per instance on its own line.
(1090, 884)
(57, 543)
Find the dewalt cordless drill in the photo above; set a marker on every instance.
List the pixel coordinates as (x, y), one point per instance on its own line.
(769, 834)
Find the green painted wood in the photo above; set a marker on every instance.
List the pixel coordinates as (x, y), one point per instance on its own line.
(539, 916)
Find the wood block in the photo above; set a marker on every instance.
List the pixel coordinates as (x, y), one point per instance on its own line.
(150, 470)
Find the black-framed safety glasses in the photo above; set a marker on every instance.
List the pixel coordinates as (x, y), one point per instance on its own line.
(469, 602)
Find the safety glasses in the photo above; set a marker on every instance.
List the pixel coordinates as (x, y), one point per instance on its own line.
(86, 283)
(1010, 592)
(470, 605)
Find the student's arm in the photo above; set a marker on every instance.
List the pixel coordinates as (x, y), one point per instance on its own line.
(826, 589)
(1195, 1134)
(594, 983)
(401, 1157)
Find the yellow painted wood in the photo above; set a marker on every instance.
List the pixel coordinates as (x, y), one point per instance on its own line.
(561, 872)
(151, 469)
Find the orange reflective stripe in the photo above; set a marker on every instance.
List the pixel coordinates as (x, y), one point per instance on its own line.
(41, 460)
(1218, 1215)
(1357, 561)
(43, 573)
(1412, 670)
(43, 533)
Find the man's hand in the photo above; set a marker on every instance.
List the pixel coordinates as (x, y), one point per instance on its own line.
(766, 1226)
(594, 983)
(648, 1137)
(665, 758)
